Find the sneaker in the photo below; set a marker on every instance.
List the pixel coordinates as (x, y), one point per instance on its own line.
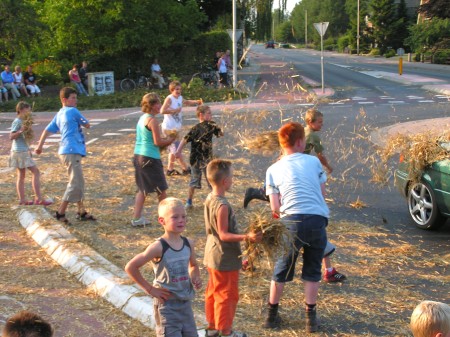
(247, 267)
(235, 334)
(312, 322)
(212, 333)
(188, 205)
(172, 173)
(140, 222)
(334, 276)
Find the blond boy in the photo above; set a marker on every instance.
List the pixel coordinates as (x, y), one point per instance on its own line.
(314, 123)
(176, 273)
(431, 319)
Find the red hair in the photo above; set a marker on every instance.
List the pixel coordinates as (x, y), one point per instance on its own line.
(290, 133)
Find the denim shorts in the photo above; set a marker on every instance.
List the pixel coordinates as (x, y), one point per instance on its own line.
(310, 234)
(197, 170)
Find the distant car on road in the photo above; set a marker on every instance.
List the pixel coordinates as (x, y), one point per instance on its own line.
(270, 44)
(429, 199)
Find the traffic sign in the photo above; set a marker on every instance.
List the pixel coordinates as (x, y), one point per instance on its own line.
(321, 27)
(238, 33)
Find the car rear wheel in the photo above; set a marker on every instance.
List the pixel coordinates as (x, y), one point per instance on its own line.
(422, 206)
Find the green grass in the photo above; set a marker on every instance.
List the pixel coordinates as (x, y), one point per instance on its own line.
(51, 102)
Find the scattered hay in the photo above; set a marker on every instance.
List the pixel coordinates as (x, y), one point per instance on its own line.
(358, 204)
(265, 143)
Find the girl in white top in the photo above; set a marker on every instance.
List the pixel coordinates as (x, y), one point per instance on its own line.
(172, 123)
(18, 81)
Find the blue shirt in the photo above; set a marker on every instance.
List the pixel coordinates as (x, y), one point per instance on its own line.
(19, 144)
(7, 77)
(68, 122)
(144, 140)
(297, 178)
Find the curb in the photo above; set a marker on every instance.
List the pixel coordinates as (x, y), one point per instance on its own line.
(87, 266)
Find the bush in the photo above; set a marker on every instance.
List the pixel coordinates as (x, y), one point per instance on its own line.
(375, 52)
(441, 56)
(390, 53)
(48, 72)
(343, 42)
(417, 57)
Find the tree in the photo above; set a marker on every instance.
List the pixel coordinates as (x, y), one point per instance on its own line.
(427, 34)
(435, 9)
(403, 22)
(19, 26)
(385, 23)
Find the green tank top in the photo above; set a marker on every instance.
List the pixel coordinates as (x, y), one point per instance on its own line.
(144, 139)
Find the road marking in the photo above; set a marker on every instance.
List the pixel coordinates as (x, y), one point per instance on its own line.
(366, 103)
(91, 141)
(357, 98)
(97, 120)
(52, 140)
(127, 130)
(112, 134)
(91, 124)
(415, 97)
(396, 102)
(55, 136)
(386, 97)
(306, 104)
(5, 131)
(426, 101)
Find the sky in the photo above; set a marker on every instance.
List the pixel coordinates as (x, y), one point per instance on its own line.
(289, 5)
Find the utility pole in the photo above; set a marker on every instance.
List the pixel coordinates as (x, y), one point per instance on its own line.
(357, 30)
(306, 28)
(234, 46)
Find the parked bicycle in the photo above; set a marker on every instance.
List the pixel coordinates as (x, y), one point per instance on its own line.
(140, 81)
(208, 75)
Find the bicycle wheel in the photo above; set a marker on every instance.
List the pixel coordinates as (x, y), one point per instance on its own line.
(127, 84)
(142, 82)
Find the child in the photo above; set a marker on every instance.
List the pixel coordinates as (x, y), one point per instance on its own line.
(173, 118)
(21, 156)
(27, 324)
(222, 252)
(200, 137)
(176, 273)
(149, 172)
(431, 319)
(69, 122)
(300, 180)
(3, 91)
(314, 122)
(75, 79)
(19, 81)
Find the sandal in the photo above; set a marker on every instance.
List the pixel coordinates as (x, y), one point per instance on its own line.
(26, 203)
(62, 218)
(173, 173)
(44, 202)
(85, 216)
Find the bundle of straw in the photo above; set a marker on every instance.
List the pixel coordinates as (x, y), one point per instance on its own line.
(276, 240)
(265, 143)
(418, 151)
(28, 128)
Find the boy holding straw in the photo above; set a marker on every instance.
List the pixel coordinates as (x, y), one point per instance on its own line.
(300, 180)
(222, 252)
(200, 137)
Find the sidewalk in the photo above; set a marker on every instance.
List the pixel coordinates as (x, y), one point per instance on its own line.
(269, 83)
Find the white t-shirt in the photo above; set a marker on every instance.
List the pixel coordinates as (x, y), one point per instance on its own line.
(173, 121)
(297, 178)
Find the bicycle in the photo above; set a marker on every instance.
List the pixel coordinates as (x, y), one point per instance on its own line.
(140, 81)
(208, 75)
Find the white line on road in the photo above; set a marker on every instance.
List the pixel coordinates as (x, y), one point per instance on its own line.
(112, 134)
(91, 141)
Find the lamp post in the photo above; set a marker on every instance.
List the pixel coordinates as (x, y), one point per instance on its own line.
(234, 46)
(306, 28)
(357, 29)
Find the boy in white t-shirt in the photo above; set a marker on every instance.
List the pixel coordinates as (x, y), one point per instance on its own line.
(173, 120)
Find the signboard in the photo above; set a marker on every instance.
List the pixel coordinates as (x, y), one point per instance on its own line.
(238, 33)
(400, 52)
(101, 83)
(321, 27)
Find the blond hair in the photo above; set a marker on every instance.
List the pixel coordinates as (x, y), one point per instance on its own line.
(173, 85)
(430, 318)
(217, 170)
(202, 109)
(22, 105)
(148, 101)
(167, 205)
(312, 115)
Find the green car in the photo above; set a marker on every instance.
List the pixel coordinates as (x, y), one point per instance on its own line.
(429, 200)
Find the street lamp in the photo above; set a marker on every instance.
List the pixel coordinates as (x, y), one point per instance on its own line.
(357, 29)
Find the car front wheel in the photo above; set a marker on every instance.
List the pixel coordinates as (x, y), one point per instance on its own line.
(422, 206)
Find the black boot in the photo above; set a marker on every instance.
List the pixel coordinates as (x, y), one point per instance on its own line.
(273, 319)
(312, 323)
(254, 193)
